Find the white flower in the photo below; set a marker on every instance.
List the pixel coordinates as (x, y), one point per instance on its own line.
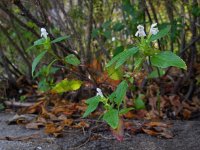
(113, 39)
(153, 29)
(140, 31)
(44, 33)
(99, 92)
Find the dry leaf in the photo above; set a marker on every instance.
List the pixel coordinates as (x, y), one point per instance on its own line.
(186, 114)
(67, 122)
(81, 124)
(34, 125)
(54, 129)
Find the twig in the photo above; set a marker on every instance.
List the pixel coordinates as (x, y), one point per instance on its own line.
(189, 45)
(87, 138)
(17, 104)
(20, 138)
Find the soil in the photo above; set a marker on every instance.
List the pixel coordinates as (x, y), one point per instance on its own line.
(16, 137)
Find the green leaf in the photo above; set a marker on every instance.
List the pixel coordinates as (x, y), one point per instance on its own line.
(37, 60)
(95, 33)
(139, 103)
(44, 85)
(49, 66)
(92, 105)
(113, 60)
(155, 74)
(66, 85)
(112, 118)
(112, 96)
(72, 59)
(60, 39)
(122, 57)
(29, 48)
(139, 60)
(118, 26)
(115, 74)
(39, 42)
(121, 92)
(166, 59)
(125, 110)
(160, 34)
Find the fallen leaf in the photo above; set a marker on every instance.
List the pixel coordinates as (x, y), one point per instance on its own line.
(157, 124)
(186, 114)
(67, 122)
(53, 129)
(81, 124)
(34, 125)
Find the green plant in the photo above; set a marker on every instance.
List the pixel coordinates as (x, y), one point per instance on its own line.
(143, 52)
(45, 74)
(112, 104)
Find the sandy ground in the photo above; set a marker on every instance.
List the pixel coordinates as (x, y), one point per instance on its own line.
(15, 137)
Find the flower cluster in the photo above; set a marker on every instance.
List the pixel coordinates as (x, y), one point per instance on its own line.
(44, 33)
(141, 33)
(99, 92)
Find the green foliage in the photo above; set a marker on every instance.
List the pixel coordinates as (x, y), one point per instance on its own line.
(112, 118)
(39, 42)
(156, 73)
(160, 34)
(122, 57)
(72, 59)
(92, 105)
(59, 39)
(121, 92)
(115, 74)
(166, 59)
(139, 103)
(22, 98)
(46, 82)
(66, 85)
(37, 60)
(125, 110)
(111, 115)
(143, 51)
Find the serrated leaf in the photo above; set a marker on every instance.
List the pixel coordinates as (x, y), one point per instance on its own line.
(138, 63)
(122, 57)
(73, 60)
(112, 118)
(160, 34)
(37, 60)
(121, 92)
(92, 105)
(60, 39)
(166, 59)
(125, 110)
(66, 85)
(113, 60)
(125, 56)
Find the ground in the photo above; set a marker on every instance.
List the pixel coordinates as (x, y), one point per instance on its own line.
(16, 137)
